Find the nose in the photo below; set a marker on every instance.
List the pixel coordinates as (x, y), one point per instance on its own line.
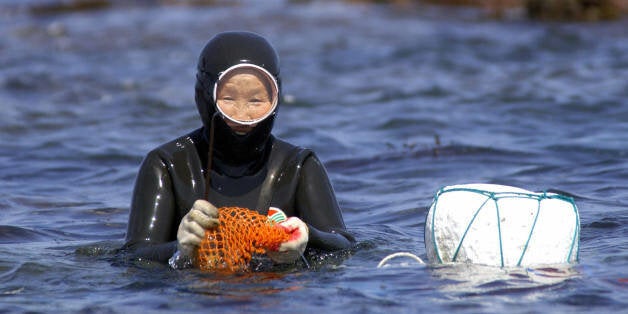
(241, 112)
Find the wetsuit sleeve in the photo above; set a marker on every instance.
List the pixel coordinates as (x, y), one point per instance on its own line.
(317, 206)
(152, 218)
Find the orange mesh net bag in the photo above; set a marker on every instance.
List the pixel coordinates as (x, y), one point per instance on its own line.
(241, 234)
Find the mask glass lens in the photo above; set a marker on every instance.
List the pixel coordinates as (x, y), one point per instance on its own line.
(246, 94)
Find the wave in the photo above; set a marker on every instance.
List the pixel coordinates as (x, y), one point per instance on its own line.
(13, 234)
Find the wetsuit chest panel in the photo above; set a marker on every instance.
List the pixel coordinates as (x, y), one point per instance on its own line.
(241, 192)
(274, 185)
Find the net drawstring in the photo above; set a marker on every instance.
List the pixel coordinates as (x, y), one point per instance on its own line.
(257, 238)
(210, 155)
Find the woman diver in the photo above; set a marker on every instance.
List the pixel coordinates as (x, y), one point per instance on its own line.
(237, 93)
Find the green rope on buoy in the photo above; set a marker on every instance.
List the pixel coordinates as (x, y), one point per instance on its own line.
(440, 260)
(467, 229)
(496, 196)
(576, 233)
(525, 247)
(499, 231)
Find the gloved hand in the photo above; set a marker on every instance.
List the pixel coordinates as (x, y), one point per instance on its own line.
(202, 216)
(292, 249)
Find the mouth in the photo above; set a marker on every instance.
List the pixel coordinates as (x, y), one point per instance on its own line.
(240, 129)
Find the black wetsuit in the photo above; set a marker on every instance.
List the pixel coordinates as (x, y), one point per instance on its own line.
(255, 170)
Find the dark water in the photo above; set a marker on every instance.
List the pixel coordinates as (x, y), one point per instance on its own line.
(397, 102)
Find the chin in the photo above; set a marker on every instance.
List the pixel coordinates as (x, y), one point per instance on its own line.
(240, 129)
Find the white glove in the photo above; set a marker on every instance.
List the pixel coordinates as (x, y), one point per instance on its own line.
(202, 216)
(292, 249)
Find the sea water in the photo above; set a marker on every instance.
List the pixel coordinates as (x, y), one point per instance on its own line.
(397, 101)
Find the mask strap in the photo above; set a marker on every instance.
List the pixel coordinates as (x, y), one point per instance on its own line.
(210, 153)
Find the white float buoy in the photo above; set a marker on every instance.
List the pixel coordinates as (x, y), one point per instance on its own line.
(500, 225)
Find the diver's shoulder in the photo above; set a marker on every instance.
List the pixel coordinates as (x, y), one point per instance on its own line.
(285, 146)
(290, 151)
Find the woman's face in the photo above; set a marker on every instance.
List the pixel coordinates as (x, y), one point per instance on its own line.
(243, 95)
